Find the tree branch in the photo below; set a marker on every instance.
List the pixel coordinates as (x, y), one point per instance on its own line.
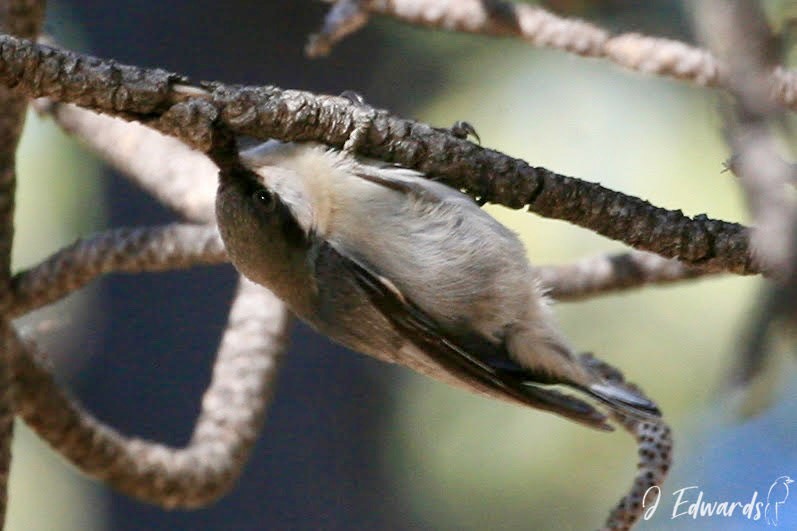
(597, 275)
(145, 249)
(234, 405)
(23, 18)
(654, 443)
(169, 169)
(229, 422)
(180, 177)
(192, 113)
(763, 174)
(765, 177)
(541, 28)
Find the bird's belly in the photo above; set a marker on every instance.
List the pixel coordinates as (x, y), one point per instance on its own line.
(365, 330)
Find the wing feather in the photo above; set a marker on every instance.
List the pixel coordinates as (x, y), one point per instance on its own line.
(468, 355)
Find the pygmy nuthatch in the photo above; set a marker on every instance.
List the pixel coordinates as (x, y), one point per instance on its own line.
(406, 270)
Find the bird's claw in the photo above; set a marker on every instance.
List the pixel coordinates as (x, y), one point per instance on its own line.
(462, 129)
(354, 97)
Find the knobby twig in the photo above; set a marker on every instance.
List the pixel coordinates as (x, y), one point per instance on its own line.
(191, 113)
(170, 477)
(654, 442)
(144, 249)
(23, 18)
(180, 177)
(228, 424)
(234, 405)
(541, 28)
(739, 32)
(171, 177)
(655, 446)
(610, 273)
(763, 174)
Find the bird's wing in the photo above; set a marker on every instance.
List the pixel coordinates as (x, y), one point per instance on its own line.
(469, 356)
(412, 183)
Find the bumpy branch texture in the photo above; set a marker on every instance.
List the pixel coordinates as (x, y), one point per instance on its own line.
(229, 422)
(180, 177)
(765, 177)
(197, 114)
(23, 18)
(145, 249)
(612, 272)
(185, 179)
(538, 27)
(654, 447)
(164, 101)
(654, 444)
(200, 115)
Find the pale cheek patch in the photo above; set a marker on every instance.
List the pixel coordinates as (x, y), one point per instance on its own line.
(304, 184)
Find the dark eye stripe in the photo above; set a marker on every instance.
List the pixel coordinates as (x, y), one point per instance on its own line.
(276, 213)
(264, 200)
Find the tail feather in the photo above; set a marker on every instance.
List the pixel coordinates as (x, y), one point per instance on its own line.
(623, 399)
(612, 392)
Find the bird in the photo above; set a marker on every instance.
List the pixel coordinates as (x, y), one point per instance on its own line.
(408, 270)
(777, 496)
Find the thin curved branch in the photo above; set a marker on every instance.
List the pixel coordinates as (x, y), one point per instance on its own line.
(194, 113)
(763, 174)
(541, 28)
(233, 407)
(230, 420)
(765, 177)
(182, 178)
(654, 443)
(23, 18)
(606, 273)
(125, 143)
(136, 250)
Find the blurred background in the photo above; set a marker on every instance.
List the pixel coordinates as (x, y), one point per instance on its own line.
(351, 443)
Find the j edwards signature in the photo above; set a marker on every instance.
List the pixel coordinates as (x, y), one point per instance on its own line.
(692, 502)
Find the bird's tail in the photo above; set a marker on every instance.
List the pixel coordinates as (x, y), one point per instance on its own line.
(623, 399)
(610, 388)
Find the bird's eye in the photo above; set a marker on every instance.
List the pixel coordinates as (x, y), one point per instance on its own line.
(265, 200)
